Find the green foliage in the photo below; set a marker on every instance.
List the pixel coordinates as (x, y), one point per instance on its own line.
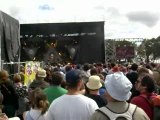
(149, 47)
(124, 43)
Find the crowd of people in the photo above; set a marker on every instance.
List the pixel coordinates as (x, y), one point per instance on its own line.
(82, 92)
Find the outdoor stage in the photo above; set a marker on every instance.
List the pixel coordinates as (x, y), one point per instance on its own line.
(63, 42)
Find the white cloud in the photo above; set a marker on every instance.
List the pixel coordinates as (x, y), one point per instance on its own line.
(113, 12)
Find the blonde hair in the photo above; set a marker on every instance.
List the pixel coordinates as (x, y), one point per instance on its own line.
(3, 73)
(39, 100)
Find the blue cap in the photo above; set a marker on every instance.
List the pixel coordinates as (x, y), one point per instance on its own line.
(73, 76)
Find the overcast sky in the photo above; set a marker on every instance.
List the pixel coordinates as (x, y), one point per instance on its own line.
(123, 18)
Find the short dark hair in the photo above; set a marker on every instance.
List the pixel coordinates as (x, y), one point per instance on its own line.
(56, 78)
(149, 83)
(86, 66)
(94, 71)
(134, 66)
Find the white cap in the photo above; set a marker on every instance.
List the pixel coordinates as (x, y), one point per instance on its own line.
(118, 86)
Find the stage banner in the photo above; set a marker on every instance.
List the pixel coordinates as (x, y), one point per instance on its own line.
(125, 52)
(31, 69)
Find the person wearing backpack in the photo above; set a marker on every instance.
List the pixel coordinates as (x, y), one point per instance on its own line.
(146, 86)
(118, 92)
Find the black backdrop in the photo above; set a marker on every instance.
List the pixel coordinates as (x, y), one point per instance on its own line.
(87, 39)
(10, 41)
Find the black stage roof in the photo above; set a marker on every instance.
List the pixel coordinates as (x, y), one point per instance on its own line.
(61, 28)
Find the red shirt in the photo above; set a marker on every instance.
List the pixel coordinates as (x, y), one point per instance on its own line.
(141, 102)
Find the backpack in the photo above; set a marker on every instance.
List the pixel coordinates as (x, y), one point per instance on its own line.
(154, 103)
(28, 116)
(127, 115)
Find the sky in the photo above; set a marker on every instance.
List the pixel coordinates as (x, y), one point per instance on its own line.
(123, 18)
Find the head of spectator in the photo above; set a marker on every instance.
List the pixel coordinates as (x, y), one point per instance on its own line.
(153, 65)
(41, 74)
(22, 77)
(145, 84)
(94, 71)
(3, 76)
(68, 68)
(112, 65)
(86, 67)
(78, 66)
(116, 69)
(142, 70)
(148, 66)
(134, 67)
(118, 87)
(74, 80)
(48, 72)
(22, 69)
(94, 83)
(56, 79)
(17, 78)
(124, 70)
(39, 100)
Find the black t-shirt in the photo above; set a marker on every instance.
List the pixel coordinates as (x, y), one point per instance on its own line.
(98, 99)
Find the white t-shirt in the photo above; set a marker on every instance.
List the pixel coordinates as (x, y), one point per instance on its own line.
(35, 115)
(71, 107)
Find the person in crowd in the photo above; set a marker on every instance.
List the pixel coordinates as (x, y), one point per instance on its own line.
(68, 68)
(118, 92)
(141, 71)
(146, 86)
(112, 65)
(124, 70)
(55, 90)
(93, 71)
(3, 116)
(86, 72)
(22, 77)
(22, 93)
(39, 105)
(102, 90)
(39, 81)
(10, 97)
(48, 75)
(94, 84)
(99, 67)
(73, 105)
(133, 75)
